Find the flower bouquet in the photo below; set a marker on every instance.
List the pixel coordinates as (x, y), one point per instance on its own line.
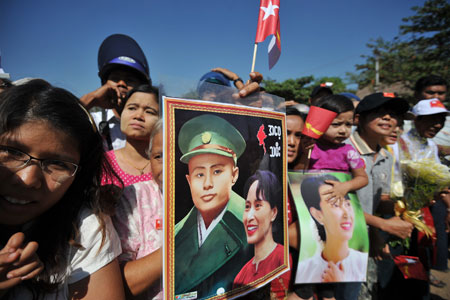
(422, 179)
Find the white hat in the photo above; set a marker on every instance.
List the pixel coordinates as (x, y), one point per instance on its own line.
(429, 107)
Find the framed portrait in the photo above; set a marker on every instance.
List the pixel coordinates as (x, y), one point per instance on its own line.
(225, 185)
(334, 242)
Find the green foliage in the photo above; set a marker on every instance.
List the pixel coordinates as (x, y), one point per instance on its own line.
(299, 89)
(191, 94)
(290, 89)
(423, 48)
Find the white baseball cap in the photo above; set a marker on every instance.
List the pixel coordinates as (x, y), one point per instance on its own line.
(429, 107)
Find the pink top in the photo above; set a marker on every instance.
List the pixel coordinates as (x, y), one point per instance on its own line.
(342, 157)
(138, 221)
(127, 179)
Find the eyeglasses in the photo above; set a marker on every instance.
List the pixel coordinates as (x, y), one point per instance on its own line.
(58, 170)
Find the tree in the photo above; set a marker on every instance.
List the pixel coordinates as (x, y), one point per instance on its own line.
(290, 89)
(299, 89)
(422, 48)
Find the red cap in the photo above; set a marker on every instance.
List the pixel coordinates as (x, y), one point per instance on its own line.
(318, 121)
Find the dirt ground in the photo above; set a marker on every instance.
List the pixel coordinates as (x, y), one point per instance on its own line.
(441, 293)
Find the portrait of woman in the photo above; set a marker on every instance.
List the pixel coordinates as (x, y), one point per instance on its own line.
(335, 222)
(262, 192)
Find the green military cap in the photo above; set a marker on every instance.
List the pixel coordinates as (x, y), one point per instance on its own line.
(210, 134)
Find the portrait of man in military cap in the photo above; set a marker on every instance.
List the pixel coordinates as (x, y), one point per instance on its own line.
(212, 150)
(210, 241)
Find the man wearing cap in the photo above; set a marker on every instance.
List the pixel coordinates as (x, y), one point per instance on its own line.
(210, 241)
(430, 87)
(430, 116)
(122, 66)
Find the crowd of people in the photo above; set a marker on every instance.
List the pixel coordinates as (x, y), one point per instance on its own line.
(81, 192)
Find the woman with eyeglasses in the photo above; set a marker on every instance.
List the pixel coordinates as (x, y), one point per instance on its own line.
(56, 238)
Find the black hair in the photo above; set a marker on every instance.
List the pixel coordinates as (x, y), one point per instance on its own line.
(143, 88)
(336, 103)
(5, 83)
(292, 111)
(429, 80)
(311, 196)
(268, 186)
(56, 229)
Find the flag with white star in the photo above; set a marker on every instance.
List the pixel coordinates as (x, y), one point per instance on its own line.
(269, 24)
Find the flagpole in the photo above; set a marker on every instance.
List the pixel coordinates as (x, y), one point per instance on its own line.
(254, 57)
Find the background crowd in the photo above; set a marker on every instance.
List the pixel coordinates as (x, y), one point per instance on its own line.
(81, 193)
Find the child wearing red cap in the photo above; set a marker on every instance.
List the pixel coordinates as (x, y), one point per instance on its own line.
(331, 153)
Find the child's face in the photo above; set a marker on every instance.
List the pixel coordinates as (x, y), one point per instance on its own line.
(340, 129)
(379, 122)
(395, 134)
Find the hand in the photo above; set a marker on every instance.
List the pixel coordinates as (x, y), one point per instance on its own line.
(227, 73)
(397, 227)
(384, 253)
(251, 86)
(337, 191)
(109, 95)
(18, 263)
(333, 273)
(231, 76)
(306, 143)
(287, 103)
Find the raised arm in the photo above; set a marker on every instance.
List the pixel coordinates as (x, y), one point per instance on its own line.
(141, 274)
(105, 283)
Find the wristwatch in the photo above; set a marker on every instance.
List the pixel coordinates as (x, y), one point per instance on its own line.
(238, 79)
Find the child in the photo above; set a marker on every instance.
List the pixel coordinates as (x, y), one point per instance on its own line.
(376, 117)
(331, 153)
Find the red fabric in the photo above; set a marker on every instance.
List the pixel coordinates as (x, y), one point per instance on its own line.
(318, 121)
(271, 25)
(411, 267)
(292, 216)
(425, 242)
(249, 273)
(279, 286)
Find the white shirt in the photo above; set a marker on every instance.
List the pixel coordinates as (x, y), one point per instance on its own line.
(312, 269)
(85, 261)
(118, 139)
(203, 232)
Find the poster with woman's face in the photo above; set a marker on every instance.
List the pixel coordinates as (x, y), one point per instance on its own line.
(334, 242)
(224, 189)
